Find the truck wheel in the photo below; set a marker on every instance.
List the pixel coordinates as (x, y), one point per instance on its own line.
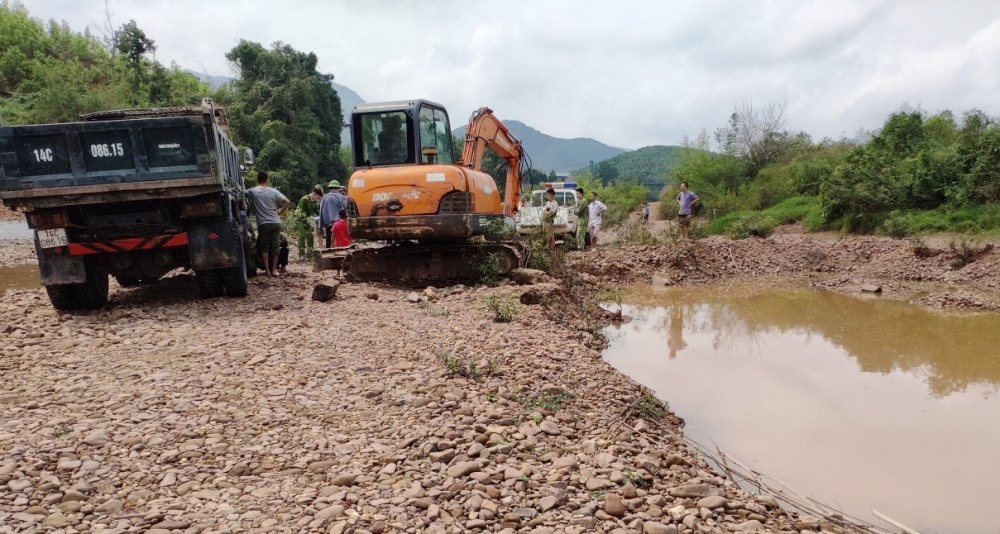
(209, 283)
(234, 279)
(62, 297)
(127, 281)
(92, 294)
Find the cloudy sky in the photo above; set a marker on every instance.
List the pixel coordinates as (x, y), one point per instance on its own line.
(628, 74)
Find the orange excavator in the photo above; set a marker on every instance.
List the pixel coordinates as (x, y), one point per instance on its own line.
(433, 210)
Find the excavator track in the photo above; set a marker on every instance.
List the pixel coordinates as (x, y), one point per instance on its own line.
(432, 263)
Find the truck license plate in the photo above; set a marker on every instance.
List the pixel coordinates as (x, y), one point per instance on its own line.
(55, 237)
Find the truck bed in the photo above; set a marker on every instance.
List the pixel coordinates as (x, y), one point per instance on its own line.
(50, 165)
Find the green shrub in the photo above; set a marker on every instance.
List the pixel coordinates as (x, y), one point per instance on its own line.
(505, 309)
(751, 225)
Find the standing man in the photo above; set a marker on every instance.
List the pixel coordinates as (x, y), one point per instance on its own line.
(685, 199)
(305, 219)
(329, 208)
(645, 212)
(549, 210)
(597, 209)
(582, 219)
(269, 204)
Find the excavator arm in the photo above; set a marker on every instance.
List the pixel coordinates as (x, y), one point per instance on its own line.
(485, 130)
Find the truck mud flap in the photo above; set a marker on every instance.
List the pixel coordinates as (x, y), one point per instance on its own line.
(60, 267)
(213, 246)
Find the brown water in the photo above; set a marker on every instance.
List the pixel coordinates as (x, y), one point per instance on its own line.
(859, 403)
(19, 277)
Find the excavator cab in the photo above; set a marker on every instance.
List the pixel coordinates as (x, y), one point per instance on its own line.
(401, 133)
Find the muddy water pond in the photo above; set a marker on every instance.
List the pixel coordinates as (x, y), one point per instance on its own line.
(19, 277)
(859, 403)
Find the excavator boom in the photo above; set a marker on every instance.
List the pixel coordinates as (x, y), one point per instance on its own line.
(485, 130)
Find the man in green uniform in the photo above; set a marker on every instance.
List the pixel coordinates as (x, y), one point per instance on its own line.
(582, 219)
(305, 217)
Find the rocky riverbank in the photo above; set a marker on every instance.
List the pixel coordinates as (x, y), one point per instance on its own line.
(939, 272)
(367, 413)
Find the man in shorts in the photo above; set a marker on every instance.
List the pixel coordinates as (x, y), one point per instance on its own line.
(597, 209)
(685, 199)
(269, 204)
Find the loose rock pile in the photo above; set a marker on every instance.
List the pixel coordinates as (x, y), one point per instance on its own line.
(278, 413)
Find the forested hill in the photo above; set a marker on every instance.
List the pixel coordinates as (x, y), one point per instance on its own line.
(647, 163)
(549, 153)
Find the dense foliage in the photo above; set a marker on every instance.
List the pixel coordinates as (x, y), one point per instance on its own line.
(288, 113)
(917, 173)
(49, 73)
(648, 166)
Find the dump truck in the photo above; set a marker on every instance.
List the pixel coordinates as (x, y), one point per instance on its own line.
(133, 194)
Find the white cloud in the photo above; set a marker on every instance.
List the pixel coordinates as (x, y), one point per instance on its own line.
(628, 74)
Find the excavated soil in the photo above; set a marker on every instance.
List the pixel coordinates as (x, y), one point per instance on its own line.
(7, 214)
(939, 272)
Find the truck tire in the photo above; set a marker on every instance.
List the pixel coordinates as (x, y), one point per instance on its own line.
(63, 297)
(127, 281)
(92, 294)
(209, 283)
(234, 279)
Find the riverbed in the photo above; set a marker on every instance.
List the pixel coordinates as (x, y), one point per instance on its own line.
(857, 402)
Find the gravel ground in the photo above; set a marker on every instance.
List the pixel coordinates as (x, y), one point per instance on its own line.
(7, 214)
(928, 272)
(277, 413)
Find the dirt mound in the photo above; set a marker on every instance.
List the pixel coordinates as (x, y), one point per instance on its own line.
(929, 273)
(7, 214)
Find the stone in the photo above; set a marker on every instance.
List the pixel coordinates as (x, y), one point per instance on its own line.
(549, 428)
(749, 526)
(613, 505)
(694, 491)
(652, 527)
(19, 485)
(58, 520)
(713, 501)
(547, 503)
(326, 290)
(413, 297)
(110, 507)
(97, 438)
(528, 276)
(662, 279)
(871, 288)
(345, 479)
(431, 293)
(462, 469)
(68, 465)
(330, 512)
(371, 295)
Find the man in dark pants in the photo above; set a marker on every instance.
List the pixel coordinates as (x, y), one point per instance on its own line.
(269, 204)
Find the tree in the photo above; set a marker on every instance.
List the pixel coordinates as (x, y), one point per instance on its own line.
(755, 135)
(288, 113)
(132, 42)
(606, 172)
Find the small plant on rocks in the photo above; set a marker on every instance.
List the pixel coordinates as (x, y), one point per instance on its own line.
(468, 366)
(751, 225)
(491, 269)
(505, 309)
(649, 407)
(920, 248)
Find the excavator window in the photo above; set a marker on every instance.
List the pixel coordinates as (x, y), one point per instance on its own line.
(435, 132)
(385, 139)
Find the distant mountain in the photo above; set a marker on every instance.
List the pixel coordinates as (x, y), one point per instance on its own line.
(348, 98)
(549, 153)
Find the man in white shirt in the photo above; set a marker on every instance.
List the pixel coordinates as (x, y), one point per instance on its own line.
(597, 209)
